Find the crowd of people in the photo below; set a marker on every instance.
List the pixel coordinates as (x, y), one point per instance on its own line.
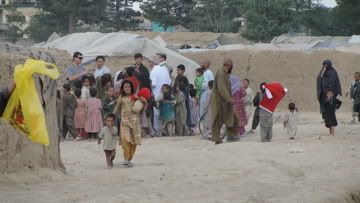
(138, 102)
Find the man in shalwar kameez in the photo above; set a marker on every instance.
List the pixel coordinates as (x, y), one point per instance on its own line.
(222, 110)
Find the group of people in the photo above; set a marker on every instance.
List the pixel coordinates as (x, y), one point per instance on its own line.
(135, 102)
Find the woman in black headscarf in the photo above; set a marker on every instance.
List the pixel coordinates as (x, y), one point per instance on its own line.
(327, 80)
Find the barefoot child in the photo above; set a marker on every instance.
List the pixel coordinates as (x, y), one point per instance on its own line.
(80, 114)
(180, 112)
(109, 102)
(109, 134)
(290, 121)
(69, 106)
(94, 121)
(167, 114)
(331, 104)
(130, 130)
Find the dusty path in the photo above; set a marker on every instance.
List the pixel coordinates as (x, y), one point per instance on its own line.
(186, 169)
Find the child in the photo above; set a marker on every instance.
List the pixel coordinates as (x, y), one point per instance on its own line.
(180, 112)
(355, 96)
(145, 116)
(290, 121)
(130, 135)
(167, 114)
(199, 80)
(331, 104)
(94, 121)
(80, 113)
(256, 101)
(238, 92)
(194, 108)
(85, 91)
(109, 134)
(109, 102)
(274, 92)
(69, 106)
(207, 112)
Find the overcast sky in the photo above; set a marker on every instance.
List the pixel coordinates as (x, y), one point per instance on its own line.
(327, 3)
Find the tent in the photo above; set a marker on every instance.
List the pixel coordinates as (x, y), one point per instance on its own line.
(92, 44)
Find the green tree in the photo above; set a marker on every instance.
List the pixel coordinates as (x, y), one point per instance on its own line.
(43, 25)
(215, 16)
(347, 14)
(16, 23)
(267, 18)
(69, 12)
(121, 16)
(168, 12)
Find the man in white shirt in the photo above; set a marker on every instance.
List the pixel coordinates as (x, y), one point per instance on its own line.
(208, 76)
(162, 62)
(101, 68)
(159, 76)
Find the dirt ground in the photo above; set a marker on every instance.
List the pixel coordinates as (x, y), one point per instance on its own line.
(313, 168)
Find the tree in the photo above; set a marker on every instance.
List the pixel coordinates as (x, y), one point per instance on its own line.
(69, 12)
(43, 25)
(16, 23)
(168, 12)
(121, 16)
(215, 16)
(267, 18)
(347, 16)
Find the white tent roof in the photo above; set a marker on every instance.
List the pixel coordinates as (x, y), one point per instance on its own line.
(92, 44)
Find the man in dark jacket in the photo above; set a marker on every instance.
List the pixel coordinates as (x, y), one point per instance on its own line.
(183, 83)
(327, 80)
(142, 73)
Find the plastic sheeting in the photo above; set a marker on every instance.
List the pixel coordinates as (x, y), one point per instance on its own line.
(92, 44)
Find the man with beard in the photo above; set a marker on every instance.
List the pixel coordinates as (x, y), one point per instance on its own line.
(327, 80)
(222, 111)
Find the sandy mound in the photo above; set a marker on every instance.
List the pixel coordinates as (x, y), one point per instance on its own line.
(16, 151)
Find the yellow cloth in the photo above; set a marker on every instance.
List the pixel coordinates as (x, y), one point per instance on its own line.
(24, 109)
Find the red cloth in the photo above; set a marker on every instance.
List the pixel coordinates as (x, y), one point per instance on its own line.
(277, 91)
(144, 92)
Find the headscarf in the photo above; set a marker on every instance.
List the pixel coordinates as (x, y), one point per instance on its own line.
(235, 83)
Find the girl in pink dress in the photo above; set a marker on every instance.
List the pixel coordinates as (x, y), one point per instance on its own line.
(80, 114)
(94, 122)
(238, 92)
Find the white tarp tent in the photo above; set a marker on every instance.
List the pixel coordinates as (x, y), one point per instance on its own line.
(92, 44)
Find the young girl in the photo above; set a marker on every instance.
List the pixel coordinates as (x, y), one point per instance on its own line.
(94, 121)
(238, 92)
(129, 126)
(109, 134)
(85, 91)
(167, 114)
(331, 104)
(80, 114)
(199, 81)
(180, 112)
(290, 121)
(109, 102)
